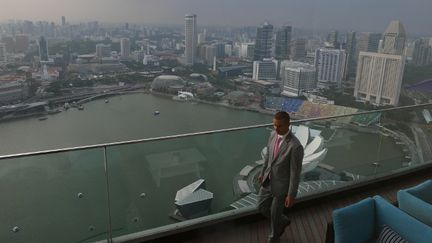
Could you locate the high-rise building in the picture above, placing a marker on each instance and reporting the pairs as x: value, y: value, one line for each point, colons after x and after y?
x: 330, y: 65
x: 3, y: 54
x: 265, y: 69
x: 9, y: 42
x: 333, y: 39
x: 379, y: 78
x: 228, y: 50
x: 124, y: 47
x: 43, y: 49
x: 190, y: 38
x: 297, y: 77
x: 263, y: 42
x: 103, y: 50
x: 350, y: 45
x: 201, y: 38
x: 394, y: 38
x: 298, y: 49
x: 422, y: 54
x: 283, y: 41
x: 63, y: 20
x: 368, y: 42
x: 22, y: 43
x: 247, y: 50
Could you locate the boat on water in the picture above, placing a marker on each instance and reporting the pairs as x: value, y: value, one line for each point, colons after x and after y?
x: 184, y: 96
x: 54, y: 111
x: 42, y: 118
x: 156, y: 113
x: 80, y: 107
x: 106, y: 100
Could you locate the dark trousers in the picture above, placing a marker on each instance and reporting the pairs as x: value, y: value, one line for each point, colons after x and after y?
x: 272, y: 207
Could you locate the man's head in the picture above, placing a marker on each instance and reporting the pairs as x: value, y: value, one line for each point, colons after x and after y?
x: 281, y: 122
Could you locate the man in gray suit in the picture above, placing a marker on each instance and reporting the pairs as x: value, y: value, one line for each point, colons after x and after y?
x: 280, y: 175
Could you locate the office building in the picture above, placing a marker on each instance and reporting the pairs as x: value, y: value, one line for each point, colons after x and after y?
x: 263, y: 42
x: 283, y: 42
x: 394, y: 38
x: 22, y: 43
x: 298, y: 49
x: 422, y: 53
x: 330, y: 65
x: 368, y: 42
x: 3, y: 54
x: 350, y: 48
x: 265, y: 69
x: 190, y: 38
x: 297, y: 77
x: 103, y: 50
x: 124, y: 47
x: 379, y: 78
x: 43, y: 49
x: 246, y: 50
x: 333, y: 39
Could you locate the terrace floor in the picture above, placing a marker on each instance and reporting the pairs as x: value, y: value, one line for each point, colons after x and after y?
x: 308, y: 219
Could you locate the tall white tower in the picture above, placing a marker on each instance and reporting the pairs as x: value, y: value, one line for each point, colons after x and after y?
x: 124, y: 47
x: 190, y: 38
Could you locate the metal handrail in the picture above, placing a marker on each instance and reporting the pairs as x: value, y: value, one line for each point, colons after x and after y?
x: 103, y: 145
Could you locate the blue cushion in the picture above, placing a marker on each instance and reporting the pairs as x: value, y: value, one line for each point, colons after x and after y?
x: 387, y: 235
x: 355, y: 223
x: 405, y: 225
x: 414, y: 201
x: 422, y: 191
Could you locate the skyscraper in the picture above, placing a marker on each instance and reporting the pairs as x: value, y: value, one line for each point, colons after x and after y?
x: 3, y: 53
x: 298, y: 49
x: 330, y: 65
x: 283, y: 41
x: 103, y: 50
x: 379, y: 75
x: 393, y: 41
x: 350, y: 45
x: 379, y: 78
x: 9, y: 42
x: 265, y: 69
x: 63, y: 20
x: 263, y: 42
x: 422, y: 52
x: 297, y: 77
x: 368, y: 42
x: 333, y: 39
x: 124, y: 47
x: 43, y: 49
x: 190, y: 39
x: 22, y: 43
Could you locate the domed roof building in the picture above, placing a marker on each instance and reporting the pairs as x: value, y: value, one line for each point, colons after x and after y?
x: 168, y: 83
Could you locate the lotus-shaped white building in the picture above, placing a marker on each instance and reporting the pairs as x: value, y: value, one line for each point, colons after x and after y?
x: 313, y: 144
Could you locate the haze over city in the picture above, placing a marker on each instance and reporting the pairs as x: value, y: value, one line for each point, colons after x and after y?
x: 366, y: 15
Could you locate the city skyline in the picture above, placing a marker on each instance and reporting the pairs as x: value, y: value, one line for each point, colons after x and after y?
x: 366, y: 15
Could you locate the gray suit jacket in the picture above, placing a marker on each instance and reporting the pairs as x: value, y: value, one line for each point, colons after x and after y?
x: 285, y: 168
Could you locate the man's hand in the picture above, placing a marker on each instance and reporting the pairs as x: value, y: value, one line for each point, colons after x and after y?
x: 260, y: 179
x: 289, y: 201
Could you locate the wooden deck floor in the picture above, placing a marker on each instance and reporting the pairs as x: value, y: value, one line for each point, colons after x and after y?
x: 308, y: 219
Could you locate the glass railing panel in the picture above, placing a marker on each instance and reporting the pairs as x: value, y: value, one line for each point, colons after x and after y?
x: 412, y: 135
x: 58, y: 197
x: 144, y: 178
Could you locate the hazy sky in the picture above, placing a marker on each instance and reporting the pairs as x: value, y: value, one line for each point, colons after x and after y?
x: 362, y: 15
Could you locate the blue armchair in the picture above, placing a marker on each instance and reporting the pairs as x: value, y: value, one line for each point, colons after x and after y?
x: 363, y: 221
x: 417, y: 201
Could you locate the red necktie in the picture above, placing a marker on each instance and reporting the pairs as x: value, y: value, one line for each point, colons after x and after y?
x: 276, y: 148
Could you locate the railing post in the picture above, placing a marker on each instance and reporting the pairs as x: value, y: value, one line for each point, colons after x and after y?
x: 108, y: 195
